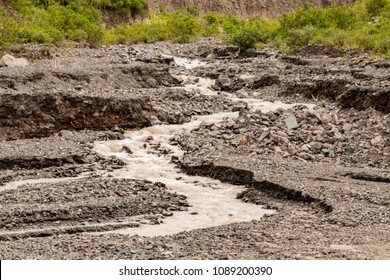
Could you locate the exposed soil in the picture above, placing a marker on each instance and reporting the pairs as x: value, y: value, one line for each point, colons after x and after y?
x: 321, y: 158
x: 243, y: 8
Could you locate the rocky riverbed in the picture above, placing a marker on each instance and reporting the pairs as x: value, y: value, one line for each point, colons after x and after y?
x: 194, y: 151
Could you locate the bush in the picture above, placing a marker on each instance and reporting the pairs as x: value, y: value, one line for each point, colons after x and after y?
x: 376, y: 7
x: 183, y: 26
x: 245, y: 38
x: 9, y: 31
x: 300, y: 37
x: 137, y: 8
x: 365, y: 25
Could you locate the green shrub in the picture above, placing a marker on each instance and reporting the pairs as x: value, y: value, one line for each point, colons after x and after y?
x: 137, y: 8
x: 212, y: 24
x: 376, y: 7
x: 9, y: 30
x: 365, y: 25
x: 300, y: 37
x: 183, y: 26
x: 245, y: 38
x: 231, y: 24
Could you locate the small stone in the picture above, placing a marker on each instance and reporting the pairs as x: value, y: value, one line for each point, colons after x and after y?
x: 177, y: 79
x: 117, y: 129
x: 222, y: 82
x: 192, y: 80
x: 154, y: 120
x: 291, y: 122
x: 316, y: 145
x: 65, y: 134
x: 327, y: 152
x: 376, y: 140
x: 347, y: 127
x: 248, y: 79
x: 263, y: 135
x: 305, y: 148
x: 127, y: 150
x: 242, y: 94
x: 240, y: 140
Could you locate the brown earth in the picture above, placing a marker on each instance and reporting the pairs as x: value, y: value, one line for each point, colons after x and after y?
x: 242, y: 8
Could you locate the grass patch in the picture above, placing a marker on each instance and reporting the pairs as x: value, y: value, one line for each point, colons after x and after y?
x: 364, y: 26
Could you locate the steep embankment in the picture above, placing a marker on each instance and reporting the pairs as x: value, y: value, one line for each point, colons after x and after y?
x: 243, y: 8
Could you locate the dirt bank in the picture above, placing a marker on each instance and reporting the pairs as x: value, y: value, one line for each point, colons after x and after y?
x: 242, y: 8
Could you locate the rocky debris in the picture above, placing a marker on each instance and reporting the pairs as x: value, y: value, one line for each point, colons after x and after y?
x: 317, y: 50
x: 322, y: 135
x: 57, y: 151
x: 277, y: 183
x: 84, y: 200
x: 10, y: 61
x: 326, y: 175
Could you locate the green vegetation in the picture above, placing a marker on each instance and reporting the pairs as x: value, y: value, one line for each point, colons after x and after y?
x: 364, y: 26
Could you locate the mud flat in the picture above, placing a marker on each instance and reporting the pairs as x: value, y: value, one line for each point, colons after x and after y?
x: 197, y: 151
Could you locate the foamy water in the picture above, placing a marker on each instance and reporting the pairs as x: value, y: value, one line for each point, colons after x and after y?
x: 188, y: 63
x: 212, y: 203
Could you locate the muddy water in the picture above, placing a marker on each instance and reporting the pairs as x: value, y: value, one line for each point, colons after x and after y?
x: 148, y: 153
x: 188, y: 63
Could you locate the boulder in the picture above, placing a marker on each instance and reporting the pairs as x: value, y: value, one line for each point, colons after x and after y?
x: 10, y: 61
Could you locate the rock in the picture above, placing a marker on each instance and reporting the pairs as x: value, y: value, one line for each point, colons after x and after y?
x: 117, y: 129
x: 316, y: 145
x: 240, y: 140
x: 347, y: 127
x: 177, y: 79
x: 325, y: 118
x: 10, y: 61
x: 154, y: 120
x: 376, y: 140
x: 248, y: 79
x: 305, y: 148
x: 222, y: 82
x: 242, y: 94
x: 263, y: 135
x: 65, y: 134
x: 192, y: 80
x: 126, y: 149
x: 328, y: 153
x: 291, y: 122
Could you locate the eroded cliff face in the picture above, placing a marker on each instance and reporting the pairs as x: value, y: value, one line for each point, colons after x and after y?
x: 243, y: 8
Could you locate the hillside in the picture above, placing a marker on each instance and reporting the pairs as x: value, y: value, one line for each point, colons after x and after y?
x: 243, y: 8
